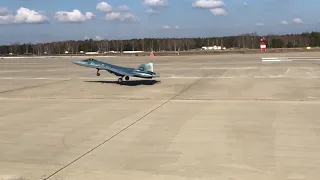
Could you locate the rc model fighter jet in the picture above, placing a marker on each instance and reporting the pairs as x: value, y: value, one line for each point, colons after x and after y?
x: 143, y: 71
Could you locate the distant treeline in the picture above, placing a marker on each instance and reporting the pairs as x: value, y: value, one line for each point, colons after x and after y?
x: 251, y: 41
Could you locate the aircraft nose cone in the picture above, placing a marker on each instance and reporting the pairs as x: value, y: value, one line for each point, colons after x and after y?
x: 76, y: 62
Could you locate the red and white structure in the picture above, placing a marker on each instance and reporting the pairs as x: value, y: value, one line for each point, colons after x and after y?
x: 263, y: 45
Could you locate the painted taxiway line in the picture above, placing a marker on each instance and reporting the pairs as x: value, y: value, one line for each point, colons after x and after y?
x: 270, y: 58
x: 13, y: 71
x: 298, y: 57
x: 305, y: 59
x: 274, y: 59
x: 277, y: 59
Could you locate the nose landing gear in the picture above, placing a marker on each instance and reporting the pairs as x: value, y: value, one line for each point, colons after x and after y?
x: 98, y: 74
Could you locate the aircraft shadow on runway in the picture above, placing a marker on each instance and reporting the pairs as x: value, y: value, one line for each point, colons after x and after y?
x: 129, y: 83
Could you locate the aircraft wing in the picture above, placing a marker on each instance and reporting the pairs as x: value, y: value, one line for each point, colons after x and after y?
x: 117, y: 70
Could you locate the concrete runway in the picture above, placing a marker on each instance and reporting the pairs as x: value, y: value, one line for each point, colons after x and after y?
x: 224, y: 117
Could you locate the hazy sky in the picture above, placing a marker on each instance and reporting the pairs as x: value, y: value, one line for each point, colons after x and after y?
x: 53, y: 20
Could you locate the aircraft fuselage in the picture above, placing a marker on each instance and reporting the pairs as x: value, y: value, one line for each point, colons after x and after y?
x: 116, y: 70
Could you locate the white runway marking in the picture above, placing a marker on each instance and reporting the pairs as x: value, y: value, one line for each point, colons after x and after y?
x: 13, y: 71
x: 306, y: 59
x: 298, y: 57
x: 270, y: 58
x: 274, y: 59
x: 287, y: 71
x: 277, y: 59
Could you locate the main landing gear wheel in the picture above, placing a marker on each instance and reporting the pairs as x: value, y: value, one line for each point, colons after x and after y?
x: 127, y: 78
x: 98, y: 74
x: 119, y: 80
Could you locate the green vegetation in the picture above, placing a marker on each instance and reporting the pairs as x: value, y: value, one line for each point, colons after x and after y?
x: 250, y: 41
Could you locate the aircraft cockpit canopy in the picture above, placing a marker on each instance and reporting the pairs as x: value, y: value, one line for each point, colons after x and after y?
x: 90, y: 60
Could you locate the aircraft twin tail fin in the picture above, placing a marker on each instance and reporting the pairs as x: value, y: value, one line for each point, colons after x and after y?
x: 146, y: 67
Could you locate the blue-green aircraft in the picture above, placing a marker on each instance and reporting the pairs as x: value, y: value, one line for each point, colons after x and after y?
x: 143, y: 71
